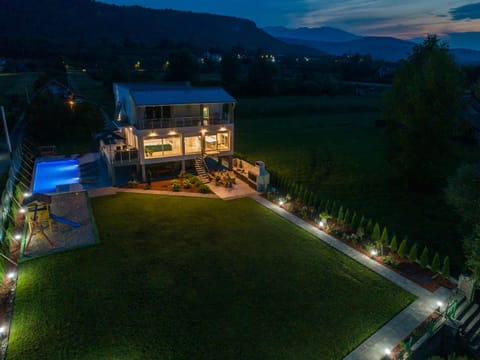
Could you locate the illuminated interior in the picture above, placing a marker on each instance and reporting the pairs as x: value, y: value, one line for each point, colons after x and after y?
x: 193, y: 144
x: 162, y: 147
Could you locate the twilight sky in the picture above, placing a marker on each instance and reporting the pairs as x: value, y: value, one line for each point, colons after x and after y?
x: 399, y: 18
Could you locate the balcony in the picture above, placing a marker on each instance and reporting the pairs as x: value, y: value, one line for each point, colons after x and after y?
x: 179, y: 122
x: 118, y: 153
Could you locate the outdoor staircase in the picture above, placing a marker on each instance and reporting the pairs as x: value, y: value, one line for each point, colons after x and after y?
x: 88, y: 168
x: 201, y: 169
x: 468, y: 319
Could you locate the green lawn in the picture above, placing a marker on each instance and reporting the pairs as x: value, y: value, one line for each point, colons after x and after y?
x: 189, y: 278
x: 14, y: 84
x: 93, y: 89
x: 298, y: 136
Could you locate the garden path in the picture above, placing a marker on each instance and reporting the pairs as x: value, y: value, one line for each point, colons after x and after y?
x: 397, y: 329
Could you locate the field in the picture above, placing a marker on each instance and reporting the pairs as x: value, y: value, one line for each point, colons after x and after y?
x: 332, y: 146
x: 15, y: 85
x: 94, y: 90
x: 187, y: 278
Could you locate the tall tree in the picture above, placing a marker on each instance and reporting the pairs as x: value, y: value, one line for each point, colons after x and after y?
x: 231, y: 69
x: 420, y: 110
x: 463, y: 194
x: 261, y: 76
x: 182, y: 66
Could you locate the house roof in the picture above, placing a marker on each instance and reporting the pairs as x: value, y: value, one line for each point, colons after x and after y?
x: 37, y: 198
x: 146, y: 94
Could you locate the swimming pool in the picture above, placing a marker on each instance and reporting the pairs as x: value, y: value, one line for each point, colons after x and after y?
x: 49, y: 174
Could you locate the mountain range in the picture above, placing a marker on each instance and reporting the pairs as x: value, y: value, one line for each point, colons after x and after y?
x: 28, y: 27
x: 338, y: 42
x: 87, y: 21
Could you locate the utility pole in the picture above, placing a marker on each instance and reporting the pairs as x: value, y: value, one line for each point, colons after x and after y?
x: 27, y: 96
x: 7, y: 135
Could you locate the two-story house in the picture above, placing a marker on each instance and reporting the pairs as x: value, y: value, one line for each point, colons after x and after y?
x: 166, y: 126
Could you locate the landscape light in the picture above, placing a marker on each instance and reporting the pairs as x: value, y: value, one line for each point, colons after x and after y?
x: 321, y: 224
x: 281, y: 202
x: 27, y: 194
x: 439, y: 305
x: 17, y: 236
x: 11, y: 275
x: 373, y: 252
x: 388, y: 352
x: 22, y: 210
x: 2, y: 330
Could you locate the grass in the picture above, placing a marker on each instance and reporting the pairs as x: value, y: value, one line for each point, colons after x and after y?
x: 14, y: 84
x: 184, y: 278
x: 332, y: 146
x: 94, y: 90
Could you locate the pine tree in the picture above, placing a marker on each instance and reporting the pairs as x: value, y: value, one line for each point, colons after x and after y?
x: 362, y: 221
x: 436, y: 263
x: 333, y: 210
x: 346, y: 217
x: 424, y: 257
x: 317, y: 203
x: 326, y: 207
x: 369, y: 228
x: 311, y: 199
x: 376, y: 234
x: 403, y: 248
x: 340, y: 216
x: 384, y: 237
x: 393, y: 244
x: 353, y: 222
x: 446, y: 267
x: 413, y: 254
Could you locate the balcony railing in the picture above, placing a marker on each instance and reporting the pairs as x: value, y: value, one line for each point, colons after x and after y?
x: 179, y: 122
x: 121, y: 156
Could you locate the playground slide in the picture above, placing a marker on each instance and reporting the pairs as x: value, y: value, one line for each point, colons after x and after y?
x: 64, y: 221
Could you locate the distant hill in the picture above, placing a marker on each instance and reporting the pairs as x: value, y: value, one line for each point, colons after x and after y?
x: 380, y: 48
x: 327, y: 34
x: 91, y: 21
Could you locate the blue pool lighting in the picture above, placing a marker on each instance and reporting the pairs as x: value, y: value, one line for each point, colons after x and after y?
x: 49, y: 174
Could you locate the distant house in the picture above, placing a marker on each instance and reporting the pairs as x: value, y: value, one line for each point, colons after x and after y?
x: 168, y: 126
x: 56, y: 88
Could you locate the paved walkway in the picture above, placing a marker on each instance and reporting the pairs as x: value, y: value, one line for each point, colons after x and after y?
x: 105, y: 191
x: 239, y: 190
x: 401, y: 325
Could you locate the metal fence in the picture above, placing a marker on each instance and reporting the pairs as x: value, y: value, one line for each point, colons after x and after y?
x: 14, y: 178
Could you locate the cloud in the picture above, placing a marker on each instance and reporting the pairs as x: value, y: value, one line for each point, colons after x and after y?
x: 470, y: 11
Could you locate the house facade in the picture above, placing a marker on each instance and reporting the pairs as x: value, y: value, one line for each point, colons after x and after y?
x: 165, y: 127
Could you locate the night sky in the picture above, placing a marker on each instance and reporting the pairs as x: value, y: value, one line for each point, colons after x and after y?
x: 400, y: 18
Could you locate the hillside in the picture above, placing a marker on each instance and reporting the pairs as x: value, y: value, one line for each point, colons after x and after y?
x: 87, y: 21
x: 324, y: 33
